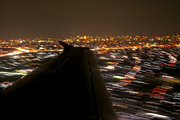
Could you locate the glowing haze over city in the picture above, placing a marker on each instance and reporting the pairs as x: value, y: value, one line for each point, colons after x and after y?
x: 65, y: 18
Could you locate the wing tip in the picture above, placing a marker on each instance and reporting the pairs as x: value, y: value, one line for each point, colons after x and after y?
x: 65, y: 45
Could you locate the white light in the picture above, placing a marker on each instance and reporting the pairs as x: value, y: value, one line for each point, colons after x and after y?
x: 109, y: 67
x: 167, y: 76
x: 157, y: 115
x: 10, y: 53
x: 125, y: 56
x: 23, y: 50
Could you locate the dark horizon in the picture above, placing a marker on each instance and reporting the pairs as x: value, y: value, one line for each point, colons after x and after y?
x: 65, y: 18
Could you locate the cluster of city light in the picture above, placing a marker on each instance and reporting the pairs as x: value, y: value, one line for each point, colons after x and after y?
x: 136, y: 71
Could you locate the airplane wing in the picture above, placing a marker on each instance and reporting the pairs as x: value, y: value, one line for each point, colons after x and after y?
x: 67, y: 87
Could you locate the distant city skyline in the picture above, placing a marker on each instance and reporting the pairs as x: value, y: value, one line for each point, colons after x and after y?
x: 65, y: 18
x: 156, y: 36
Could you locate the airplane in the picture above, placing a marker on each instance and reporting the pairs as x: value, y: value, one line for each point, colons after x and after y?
x: 67, y: 87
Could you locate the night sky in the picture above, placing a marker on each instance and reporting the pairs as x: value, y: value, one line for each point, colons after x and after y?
x: 65, y: 18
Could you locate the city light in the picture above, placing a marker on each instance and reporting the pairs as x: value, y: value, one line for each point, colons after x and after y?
x: 119, y: 77
x: 109, y: 67
x: 158, y: 116
x: 141, y: 73
x: 23, y: 50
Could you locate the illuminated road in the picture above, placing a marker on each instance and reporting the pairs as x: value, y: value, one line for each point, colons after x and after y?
x: 21, y: 50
